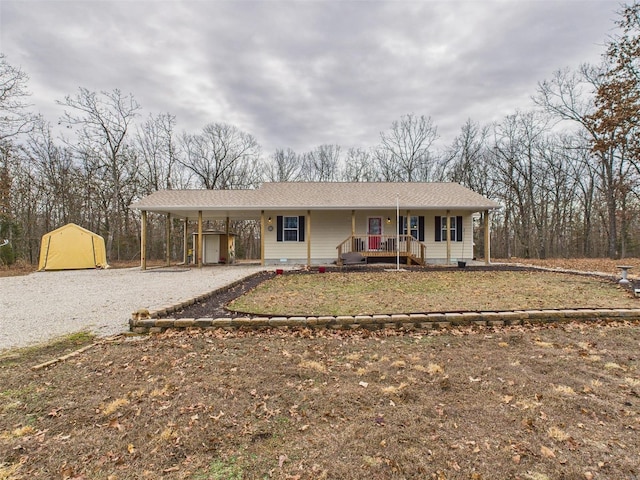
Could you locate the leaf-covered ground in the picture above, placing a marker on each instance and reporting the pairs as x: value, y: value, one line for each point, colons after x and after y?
x: 526, y: 402
x: 378, y: 292
x: 519, y: 402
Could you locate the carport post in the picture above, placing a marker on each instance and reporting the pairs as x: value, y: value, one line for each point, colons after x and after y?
x: 487, y: 239
x: 228, y: 243
x: 185, y: 240
x: 143, y: 241
x: 262, y: 237
x: 199, y: 253
x: 168, y: 239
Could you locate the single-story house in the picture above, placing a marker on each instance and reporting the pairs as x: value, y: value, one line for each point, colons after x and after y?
x: 313, y: 223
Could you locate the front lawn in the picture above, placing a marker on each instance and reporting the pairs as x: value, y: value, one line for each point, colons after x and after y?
x: 380, y: 292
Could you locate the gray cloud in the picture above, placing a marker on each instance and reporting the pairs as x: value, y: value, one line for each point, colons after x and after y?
x: 301, y: 73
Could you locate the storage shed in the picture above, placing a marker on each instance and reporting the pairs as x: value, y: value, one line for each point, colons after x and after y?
x: 72, y: 247
x: 216, y: 247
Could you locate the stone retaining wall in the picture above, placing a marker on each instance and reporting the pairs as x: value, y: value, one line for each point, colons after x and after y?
x: 426, y: 320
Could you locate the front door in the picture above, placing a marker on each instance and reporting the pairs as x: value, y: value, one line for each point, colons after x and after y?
x: 374, y: 232
x: 211, y: 249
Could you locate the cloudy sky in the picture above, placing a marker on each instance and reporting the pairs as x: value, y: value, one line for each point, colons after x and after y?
x: 298, y: 74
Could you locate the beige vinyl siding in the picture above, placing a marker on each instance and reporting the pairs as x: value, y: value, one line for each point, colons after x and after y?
x: 328, y: 230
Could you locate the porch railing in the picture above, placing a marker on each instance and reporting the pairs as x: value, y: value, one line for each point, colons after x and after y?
x: 384, y: 246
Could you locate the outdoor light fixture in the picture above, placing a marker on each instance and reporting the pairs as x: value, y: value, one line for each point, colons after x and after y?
x: 388, y: 219
x: 269, y: 220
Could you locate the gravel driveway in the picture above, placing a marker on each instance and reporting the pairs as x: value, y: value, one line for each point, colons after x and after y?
x: 43, y: 305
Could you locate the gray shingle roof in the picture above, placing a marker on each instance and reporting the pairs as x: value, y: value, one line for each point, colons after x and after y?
x: 318, y: 196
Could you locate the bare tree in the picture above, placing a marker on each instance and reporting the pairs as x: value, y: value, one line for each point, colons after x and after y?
x: 359, y: 166
x: 158, y: 151
x: 222, y: 157
x: 466, y: 160
x: 405, y: 150
x: 104, y: 122
x: 321, y: 164
x: 570, y: 96
x: 14, y: 115
x: 284, y: 166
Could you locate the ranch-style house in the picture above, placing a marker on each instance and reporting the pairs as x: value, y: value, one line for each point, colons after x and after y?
x: 314, y: 223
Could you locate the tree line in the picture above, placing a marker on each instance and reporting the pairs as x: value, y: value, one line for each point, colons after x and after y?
x: 566, y: 171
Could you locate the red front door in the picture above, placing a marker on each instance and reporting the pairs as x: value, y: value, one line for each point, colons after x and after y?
x: 375, y: 230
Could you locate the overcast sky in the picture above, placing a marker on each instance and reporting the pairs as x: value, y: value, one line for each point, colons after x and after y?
x: 298, y: 74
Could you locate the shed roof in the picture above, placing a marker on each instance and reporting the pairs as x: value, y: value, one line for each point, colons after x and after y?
x: 314, y: 196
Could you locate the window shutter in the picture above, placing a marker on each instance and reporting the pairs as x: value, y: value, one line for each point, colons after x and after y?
x: 401, y: 224
x: 458, y: 228
x: 279, y: 228
x: 301, y: 228
x: 438, y: 229
x: 421, y: 228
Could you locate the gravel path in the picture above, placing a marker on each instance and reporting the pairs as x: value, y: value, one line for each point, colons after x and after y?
x: 44, y: 305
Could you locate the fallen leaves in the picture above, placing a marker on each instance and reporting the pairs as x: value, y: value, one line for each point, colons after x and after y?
x: 114, y: 405
x: 547, y: 452
x: 558, y: 434
x: 286, y: 402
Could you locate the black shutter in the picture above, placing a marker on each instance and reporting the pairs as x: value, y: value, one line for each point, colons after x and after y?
x: 279, y: 228
x: 438, y: 229
x: 301, y: 228
x: 458, y: 229
x: 401, y: 223
x: 421, y: 228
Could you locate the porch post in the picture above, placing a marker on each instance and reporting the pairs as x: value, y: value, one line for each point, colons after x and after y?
x: 407, y: 223
x: 308, y: 229
x: 448, y: 237
x: 353, y: 223
x: 262, y: 237
x: 168, y: 239
x: 487, y: 239
x: 143, y: 241
x: 185, y: 241
x: 353, y: 231
x: 200, y: 242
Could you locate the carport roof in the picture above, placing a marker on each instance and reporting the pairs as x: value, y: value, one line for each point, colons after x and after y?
x: 283, y: 196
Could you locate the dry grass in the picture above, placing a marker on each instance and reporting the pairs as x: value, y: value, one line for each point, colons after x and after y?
x: 329, y: 404
x: 366, y: 293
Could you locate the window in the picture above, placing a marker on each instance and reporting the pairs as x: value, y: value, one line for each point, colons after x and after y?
x: 456, y: 229
x: 290, y: 228
x: 416, y: 226
x: 443, y: 227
